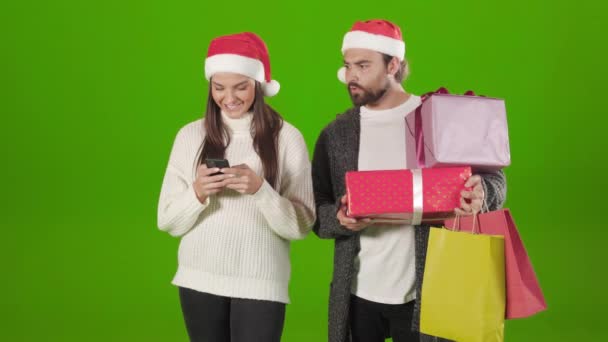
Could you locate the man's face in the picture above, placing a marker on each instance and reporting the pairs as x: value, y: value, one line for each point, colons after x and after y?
x: 366, y: 76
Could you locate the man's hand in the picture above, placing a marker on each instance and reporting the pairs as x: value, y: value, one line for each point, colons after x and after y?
x: 471, y: 201
x: 349, y: 222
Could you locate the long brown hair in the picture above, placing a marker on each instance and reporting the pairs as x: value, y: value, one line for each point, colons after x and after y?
x: 265, y: 127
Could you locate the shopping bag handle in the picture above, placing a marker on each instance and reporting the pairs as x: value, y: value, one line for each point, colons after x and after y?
x: 475, y: 229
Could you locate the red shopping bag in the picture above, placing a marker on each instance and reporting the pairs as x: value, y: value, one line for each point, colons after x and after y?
x: 524, y: 295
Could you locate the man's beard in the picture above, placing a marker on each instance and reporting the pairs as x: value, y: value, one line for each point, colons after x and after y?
x: 367, y: 96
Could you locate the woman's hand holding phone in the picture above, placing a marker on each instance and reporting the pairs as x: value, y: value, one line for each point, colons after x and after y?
x: 206, y: 184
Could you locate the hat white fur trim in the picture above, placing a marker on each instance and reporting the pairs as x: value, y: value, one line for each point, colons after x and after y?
x: 250, y: 67
x: 376, y: 42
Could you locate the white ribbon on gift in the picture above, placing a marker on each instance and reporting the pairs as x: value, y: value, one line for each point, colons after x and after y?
x: 418, y: 196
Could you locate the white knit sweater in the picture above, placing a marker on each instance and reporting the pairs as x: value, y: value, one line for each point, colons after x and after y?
x: 237, y: 245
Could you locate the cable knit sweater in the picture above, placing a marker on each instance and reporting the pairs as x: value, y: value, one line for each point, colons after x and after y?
x: 237, y: 245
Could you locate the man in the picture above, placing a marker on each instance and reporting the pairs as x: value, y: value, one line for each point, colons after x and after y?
x: 377, y: 269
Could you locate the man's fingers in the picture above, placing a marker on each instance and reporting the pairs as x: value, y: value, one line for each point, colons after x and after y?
x: 476, y: 205
x: 343, y: 218
x: 461, y: 212
x: 352, y: 223
x: 478, y: 191
x: 364, y: 223
x: 469, y: 208
x: 359, y: 225
x: 344, y: 199
x: 341, y: 212
x: 464, y: 205
x: 472, y: 181
x: 472, y: 195
x: 353, y: 226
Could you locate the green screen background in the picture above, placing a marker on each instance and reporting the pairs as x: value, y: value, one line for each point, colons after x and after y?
x: 93, y: 94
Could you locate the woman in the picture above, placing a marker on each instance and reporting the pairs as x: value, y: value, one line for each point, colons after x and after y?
x: 235, y: 223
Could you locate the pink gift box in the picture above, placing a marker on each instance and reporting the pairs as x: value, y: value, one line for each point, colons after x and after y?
x: 455, y: 130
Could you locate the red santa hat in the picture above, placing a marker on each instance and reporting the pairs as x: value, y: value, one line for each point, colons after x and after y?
x: 378, y: 35
x: 242, y: 53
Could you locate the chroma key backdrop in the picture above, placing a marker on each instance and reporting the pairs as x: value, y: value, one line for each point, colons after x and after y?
x: 93, y: 93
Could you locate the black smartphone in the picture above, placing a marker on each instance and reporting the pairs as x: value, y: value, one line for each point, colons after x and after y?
x: 219, y: 163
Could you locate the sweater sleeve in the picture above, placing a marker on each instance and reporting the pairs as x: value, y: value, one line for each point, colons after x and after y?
x: 290, y: 211
x: 178, y: 206
x: 327, y: 225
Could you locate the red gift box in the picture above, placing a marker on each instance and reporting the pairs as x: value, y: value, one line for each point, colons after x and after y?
x: 405, y: 196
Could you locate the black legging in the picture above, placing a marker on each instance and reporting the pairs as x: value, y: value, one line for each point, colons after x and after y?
x: 211, y: 318
x: 373, y: 322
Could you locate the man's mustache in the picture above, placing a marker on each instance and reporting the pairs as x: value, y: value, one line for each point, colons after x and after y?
x: 353, y: 84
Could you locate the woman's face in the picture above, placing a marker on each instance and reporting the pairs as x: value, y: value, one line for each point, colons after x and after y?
x: 233, y: 93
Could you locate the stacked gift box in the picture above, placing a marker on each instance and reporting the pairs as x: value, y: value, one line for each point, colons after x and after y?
x: 447, y: 136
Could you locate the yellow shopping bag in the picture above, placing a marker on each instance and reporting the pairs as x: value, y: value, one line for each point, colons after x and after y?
x: 463, y: 289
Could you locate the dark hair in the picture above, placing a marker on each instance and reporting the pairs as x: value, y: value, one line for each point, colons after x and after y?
x: 403, y: 71
x: 265, y: 126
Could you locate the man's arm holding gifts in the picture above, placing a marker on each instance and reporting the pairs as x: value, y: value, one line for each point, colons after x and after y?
x: 488, y: 193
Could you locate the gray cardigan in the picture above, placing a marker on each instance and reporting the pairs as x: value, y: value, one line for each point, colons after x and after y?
x: 336, y: 152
